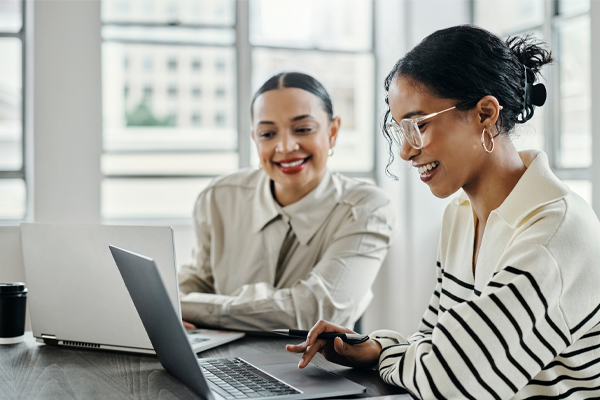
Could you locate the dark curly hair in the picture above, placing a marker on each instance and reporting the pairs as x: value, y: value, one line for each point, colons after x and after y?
x: 465, y: 63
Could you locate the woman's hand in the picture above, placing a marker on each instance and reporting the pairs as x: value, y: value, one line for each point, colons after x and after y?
x: 359, y: 355
x: 188, y: 325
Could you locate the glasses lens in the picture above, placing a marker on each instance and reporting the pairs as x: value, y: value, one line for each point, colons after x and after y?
x: 412, y: 133
x: 394, y: 131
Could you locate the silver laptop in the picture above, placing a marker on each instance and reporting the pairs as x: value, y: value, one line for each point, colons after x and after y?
x: 254, y: 377
x: 76, y: 295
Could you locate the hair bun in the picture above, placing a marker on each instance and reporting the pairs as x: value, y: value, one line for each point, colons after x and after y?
x: 529, y: 51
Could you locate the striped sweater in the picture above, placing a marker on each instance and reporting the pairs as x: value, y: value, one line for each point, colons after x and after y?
x: 527, y: 325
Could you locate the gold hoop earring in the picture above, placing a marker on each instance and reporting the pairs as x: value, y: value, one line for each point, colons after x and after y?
x: 483, y: 140
x: 330, y: 152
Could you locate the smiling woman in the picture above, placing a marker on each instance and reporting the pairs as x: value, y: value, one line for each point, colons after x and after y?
x: 294, y: 131
x: 292, y: 242
x: 515, y: 313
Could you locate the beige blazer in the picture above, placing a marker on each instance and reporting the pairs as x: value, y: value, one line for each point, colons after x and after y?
x: 260, y: 266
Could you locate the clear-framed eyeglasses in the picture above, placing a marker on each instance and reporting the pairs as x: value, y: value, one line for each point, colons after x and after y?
x: 408, y: 129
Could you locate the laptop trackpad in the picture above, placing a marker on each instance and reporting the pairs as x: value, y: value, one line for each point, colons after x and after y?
x: 311, y: 379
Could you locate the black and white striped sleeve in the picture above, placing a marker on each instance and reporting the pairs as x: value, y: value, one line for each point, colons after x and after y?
x: 393, y: 344
x: 489, y: 347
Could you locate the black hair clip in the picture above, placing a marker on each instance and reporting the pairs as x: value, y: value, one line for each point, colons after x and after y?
x: 533, y: 95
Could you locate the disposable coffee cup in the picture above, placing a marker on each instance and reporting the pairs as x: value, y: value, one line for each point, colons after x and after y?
x: 13, y: 299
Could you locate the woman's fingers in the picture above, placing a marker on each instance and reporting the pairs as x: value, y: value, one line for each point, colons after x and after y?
x: 324, y: 326
x: 339, y: 346
x: 315, y: 331
x: 296, y: 348
x: 188, y: 325
x: 337, y: 351
x: 312, y: 345
x: 310, y: 352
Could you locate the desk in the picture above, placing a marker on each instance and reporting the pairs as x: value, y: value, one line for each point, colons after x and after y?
x: 31, y: 370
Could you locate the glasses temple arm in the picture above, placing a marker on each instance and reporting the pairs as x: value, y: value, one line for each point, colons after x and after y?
x: 433, y: 114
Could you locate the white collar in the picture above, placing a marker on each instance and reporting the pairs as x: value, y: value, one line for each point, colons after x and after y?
x: 306, y: 215
x: 537, y: 187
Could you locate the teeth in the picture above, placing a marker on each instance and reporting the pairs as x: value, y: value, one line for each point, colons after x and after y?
x: 294, y: 164
x: 428, y: 167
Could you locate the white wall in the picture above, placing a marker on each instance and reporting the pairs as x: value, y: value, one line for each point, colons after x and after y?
x: 390, y: 45
x: 407, y: 279
x: 67, y: 123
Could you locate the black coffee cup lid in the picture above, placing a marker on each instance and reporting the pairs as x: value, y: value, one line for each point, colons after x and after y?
x: 12, y: 287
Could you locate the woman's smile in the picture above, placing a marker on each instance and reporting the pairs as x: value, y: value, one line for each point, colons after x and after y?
x: 423, y: 168
x: 292, y: 166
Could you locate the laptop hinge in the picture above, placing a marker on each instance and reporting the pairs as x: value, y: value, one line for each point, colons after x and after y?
x: 49, y: 339
x: 46, y: 336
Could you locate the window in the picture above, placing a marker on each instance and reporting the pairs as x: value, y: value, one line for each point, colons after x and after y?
x: 172, y: 91
x: 195, y: 51
x: 196, y: 118
x: 172, y: 64
x: 220, y: 65
x: 13, y: 194
x: 220, y: 118
x: 148, y: 63
x: 196, y: 65
x: 147, y: 91
x: 562, y: 127
x: 196, y: 92
x: 338, y: 51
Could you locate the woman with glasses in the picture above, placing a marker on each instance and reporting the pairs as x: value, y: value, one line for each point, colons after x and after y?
x: 292, y: 242
x: 515, y: 311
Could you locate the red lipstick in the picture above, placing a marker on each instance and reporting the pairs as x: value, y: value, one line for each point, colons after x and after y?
x: 297, y: 165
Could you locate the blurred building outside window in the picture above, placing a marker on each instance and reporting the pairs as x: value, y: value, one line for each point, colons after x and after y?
x: 562, y: 127
x: 196, y: 92
x: 196, y: 65
x: 171, y: 121
x: 13, y: 193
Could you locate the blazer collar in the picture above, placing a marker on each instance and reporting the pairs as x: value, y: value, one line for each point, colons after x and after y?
x: 306, y: 215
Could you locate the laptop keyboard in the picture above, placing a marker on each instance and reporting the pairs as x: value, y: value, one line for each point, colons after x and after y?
x: 236, y: 379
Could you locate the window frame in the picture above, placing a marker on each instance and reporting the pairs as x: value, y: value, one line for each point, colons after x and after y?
x: 243, y: 55
x: 21, y: 173
x: 549, y: 27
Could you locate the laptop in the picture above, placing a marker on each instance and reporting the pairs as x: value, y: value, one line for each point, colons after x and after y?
x: 77, y: 297
x: 250, y: 377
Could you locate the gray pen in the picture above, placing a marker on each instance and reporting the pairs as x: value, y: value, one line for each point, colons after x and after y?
x: 350, y: 338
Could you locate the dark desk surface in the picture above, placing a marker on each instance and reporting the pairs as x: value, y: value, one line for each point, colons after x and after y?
x: 30, y: 370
